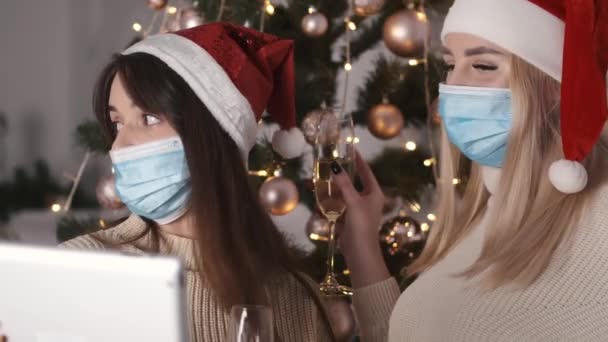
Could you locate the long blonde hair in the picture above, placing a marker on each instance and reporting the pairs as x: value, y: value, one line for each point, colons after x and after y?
x: 534, y: 218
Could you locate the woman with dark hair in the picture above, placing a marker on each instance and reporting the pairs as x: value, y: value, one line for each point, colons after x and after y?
x: 181, y: 111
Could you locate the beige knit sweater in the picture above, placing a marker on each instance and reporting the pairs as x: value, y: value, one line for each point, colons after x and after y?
x: 296, y: 316
x: 569, y: 302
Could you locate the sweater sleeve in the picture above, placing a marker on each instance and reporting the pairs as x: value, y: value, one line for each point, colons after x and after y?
x: 297, y: 316
x: 83, y: 242
x: 373, y: 307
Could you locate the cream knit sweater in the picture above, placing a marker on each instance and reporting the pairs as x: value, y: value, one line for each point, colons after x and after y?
x: 569, y: 302
x: 296, y: 316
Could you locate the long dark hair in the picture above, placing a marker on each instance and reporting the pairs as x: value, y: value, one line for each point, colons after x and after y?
x: 238, y: 246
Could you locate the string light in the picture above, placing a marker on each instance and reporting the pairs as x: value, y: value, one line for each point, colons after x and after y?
x: 431, y: 217
x: 260, y: 173
x: 429, y: 162
x: 410, y: 146
x: 171, y: 9
x: 347, y: 65
x: 421, y: 16
x: 56, y: 207
x: 413, y: 62
x: 277, y: 173
x: 415, y: 207
x: 354, y: 140
x: 102, y: 224
x: 317, y: 237
x: 425, y: 227
x: 137, y: 27
x: 456, y: 181
x: 269, y: 7
x: 351, y: 25
x: 311, y: 10
x: 68, y: 202
x: 346, y: 272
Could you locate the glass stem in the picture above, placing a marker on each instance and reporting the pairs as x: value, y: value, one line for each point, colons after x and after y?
x: 331, y: 249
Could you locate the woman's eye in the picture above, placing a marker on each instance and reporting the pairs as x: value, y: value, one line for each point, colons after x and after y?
x: 117, y: 125
x: 485, y: 67
x: 151, y: 120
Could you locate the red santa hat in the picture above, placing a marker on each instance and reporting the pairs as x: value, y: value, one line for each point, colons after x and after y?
x: 566, y: 39
x: 238, y: 73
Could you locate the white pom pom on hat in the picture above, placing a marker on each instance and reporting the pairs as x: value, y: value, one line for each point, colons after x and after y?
x: 565, y: 39
x: 569, y: 177
x: 289, y: 144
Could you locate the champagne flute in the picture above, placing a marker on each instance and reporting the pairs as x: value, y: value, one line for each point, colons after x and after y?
x: 334, y: 143
x: 250, y: 323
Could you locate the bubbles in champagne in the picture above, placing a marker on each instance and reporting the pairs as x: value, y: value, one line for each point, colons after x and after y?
x: 328, y: 195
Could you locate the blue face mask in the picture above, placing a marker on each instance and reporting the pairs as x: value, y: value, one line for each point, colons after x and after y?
x: 477, y: 121
x: 153, y: 180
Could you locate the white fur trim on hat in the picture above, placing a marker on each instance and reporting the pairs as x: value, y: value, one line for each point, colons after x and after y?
x: 289, y: 144
x: 518, y: 26
x: 568, y: 176
x: 209, y: 82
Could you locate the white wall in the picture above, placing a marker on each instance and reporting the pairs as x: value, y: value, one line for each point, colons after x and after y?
x: 51, y: 53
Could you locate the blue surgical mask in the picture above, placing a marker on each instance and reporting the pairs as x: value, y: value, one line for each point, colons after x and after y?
x: 477, y: 121
x: 153, y: 180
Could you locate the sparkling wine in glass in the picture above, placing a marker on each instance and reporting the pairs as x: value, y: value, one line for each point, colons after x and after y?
x: 334, y: 144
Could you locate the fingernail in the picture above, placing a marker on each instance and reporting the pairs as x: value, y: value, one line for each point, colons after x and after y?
x: 335, y: 167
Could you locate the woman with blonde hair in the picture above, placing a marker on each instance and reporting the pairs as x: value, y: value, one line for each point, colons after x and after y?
x: 522, y: 253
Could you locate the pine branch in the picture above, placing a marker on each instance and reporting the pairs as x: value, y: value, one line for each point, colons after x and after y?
x: 383, y: 80
x: 402, y: 173
x: 404, y: 87
x: 91, y: 136
x: 372, y: 29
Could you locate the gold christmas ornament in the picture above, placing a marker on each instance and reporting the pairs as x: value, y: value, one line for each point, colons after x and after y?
x: 401, y: 234
x: 405, y: 32
x: 106, y: 193
x: 368, y: 7
x: 310, y: 125
x: 157, y: 4
x: 279, y: 195
x: 329, y: 128
x: 315, y: 24
x: 317, y: 228
x: 313, y: 121
x: 385, y: 121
